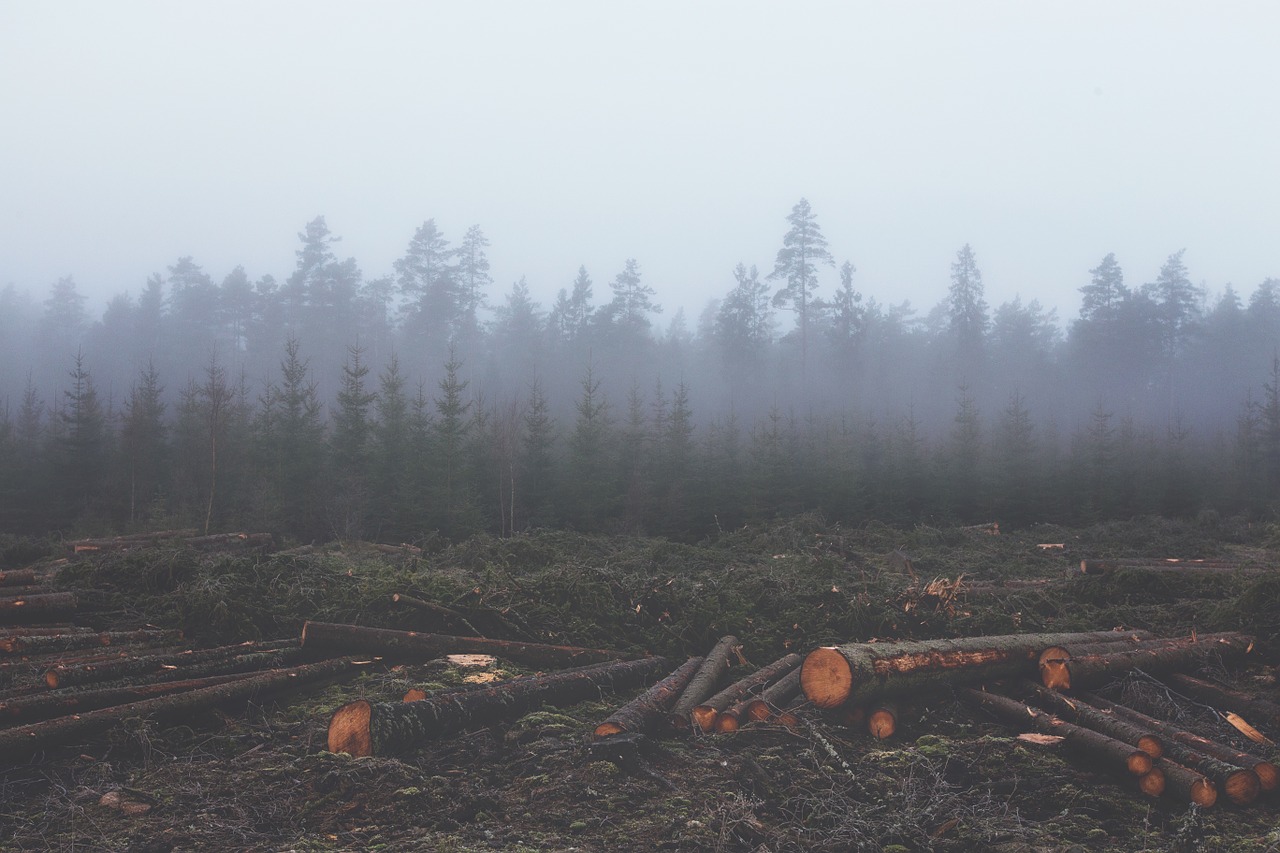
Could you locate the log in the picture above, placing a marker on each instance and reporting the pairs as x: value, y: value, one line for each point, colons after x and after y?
x: 16, y: 631
x: 706, y: 714
x: 1092, y: 670
x: 1186, y: 785
x: 47, y: 705
x: 18, y: 577
x: 228, y: 541
x: 38, y: 608
x: 882, y: 721
x: 33, y: 644
x: 1261, y: 710
x: 705, y: 680
x: 1053, y: 659
x: 411, y: 645
x: 1216, y: 760
x: 1063, y: 652
x: 775, y: 697
x: 1078, y: 711
x: 448, y: 615
x: 1102, y: 567
x: 401, y: 550
x: 24, y: 741
x: 364, y: 728
x: 1107, y: 751
x: 70, y: 675
x: 649, y: 710
x: 1153, y: 783
x: 860, y: 672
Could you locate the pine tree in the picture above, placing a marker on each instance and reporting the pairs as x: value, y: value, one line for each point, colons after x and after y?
x: 450, y: 433
x: 144, y: 445
x: 1101, y: 297
x: 395, y: 504
x: 591, y: 493
x: 83, y: 445
x: 537, y: 460
x: 349, y: 446
x: 803, y: 248
x: 967, y: 309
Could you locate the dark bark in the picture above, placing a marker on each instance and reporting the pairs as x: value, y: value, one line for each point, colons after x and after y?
x: 411, y: 645
x: 706, y: 714
x: 1250, y: 707
x: 38, y: 608
x: 365, y: 728
x: 1187, y: 786
x: 451, y: 619
x: 90, y: 673
x: 65, y: 643
x: 18, y: 577
x: 649, y: 710
x: 775, y: 697
x: 705, y: 680
x: 1077, y: 711
x: 50, y: 704
x: 1102, y: 567
x: 1092, y: 670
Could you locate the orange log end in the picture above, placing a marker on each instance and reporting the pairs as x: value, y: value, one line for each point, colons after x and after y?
x: 349, y: 729
x: 826, y: 677
x: 1152, y: 784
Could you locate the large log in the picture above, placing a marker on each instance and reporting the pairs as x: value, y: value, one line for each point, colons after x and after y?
x: 706, y: 715
x: 70, y: 675
x: 411, y: 645
x: 775, y: 697
x: 705, y: 680
x: 1077, y: 711
x: 451, y: 618
x: 16, y: 631
x: 18, y: 577
x: 1092, y: 670
x: 50, y: 704
x: 24, y: 741
x: 38, y: 608
x: 1101, y: 567
x: 860, y: 672
x: 363, y: 728
x: 1129, y: 639
x: 1186, y: 785
x: 1251, y: 707
x: 33, y: 644
x: 1241, y: 775
x: 1053, y: 660
x: 649, y: 710
x: 1106, y: 751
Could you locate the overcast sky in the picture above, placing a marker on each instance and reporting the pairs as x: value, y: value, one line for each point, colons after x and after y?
x: 680, y: 134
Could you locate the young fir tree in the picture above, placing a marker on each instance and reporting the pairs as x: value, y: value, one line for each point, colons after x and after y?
x: 349, y: 447
x: 144, y: 446
x: 537, y: 461
x: 83, y: 446
x: 590, y: 495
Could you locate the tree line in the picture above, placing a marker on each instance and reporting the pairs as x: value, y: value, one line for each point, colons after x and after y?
x: 406, y: 406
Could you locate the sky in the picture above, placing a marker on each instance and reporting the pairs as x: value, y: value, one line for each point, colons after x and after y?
x: 1045, y: 135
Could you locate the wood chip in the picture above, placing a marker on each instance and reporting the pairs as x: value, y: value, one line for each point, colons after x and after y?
x: 1247, y: 730
x: 1041, y: 740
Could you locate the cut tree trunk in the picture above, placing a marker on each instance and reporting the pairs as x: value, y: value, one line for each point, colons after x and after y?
x: 63, y: 643
x: 47, y: 705
x: 1078, y: 711
x: 882, y: 722
x: 1130, y: 639
x: 452, y: 619
x: 24, y: 741
x: 228, y: 541
x: 1260, y: 710
x: 1153, y: 783
x: 1092, y: 670
x: 1107, y: 751
x: 16, y: 632
x: 402, y: 550
x: 411, y: 645
x: 649, y: 710
x: 861, y: 672
x: 705, y: 680
x: 1053, y: 660
x: 706, y: 714
x: 18, y: 577
x: 38, y: 608
x: 77, y: 674
x: 363, y: 728
x: 1223, y: 763
x: 1186, y: 785
x: 1098, y: 567
x: 775, y: 697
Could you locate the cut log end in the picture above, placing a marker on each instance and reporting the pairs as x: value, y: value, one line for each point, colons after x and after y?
x: 51, y: 678
x: 1153, y: 783
x: 1151, y: 745
x: 349, y: 729
x: 727, y: 722
x: 608, y: 730
x: 826, y: 677
x: 1055, y: 674
x: 1241, y: 787
x: 1268, y: 777
x: 704, y: 717
x: 415, y: 695
x: 1204, y: 793
x: 758, y: 711
x: 1139, y: 763
x: 882, y: 723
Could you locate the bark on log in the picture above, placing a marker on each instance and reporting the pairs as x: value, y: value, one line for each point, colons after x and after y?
x: 24, y: 741
x: 649, y: 710
x: 1200, y: 747
x: 63, y: 643
x: 704, y: 681
x: 861, y: 672
x: 18, y: 577
x: 1092, y: 670
x: 1077, y: 711
x: 1103, y: 567
x: 706, y: 714
x: 451, y: 618
x: 228, y: 541
x: 1251, y: 707
x: 38, y: 608
x: 1053, y: 660
x: 71, y: 675
x: 1107, y: 751
x: 1130, y: 639
x: 775, y: 697
x: 401, y: 550
x: 882, y: 722
x: 363, y: 728
x: 21, y: 631
x: 411, y: 645
x: 1186, y: 785
x: 47, y: 705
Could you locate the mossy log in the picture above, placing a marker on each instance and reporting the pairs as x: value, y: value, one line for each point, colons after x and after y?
x: 18, y: 577
x: 363, y: 728
x: 705, y: 681
x: 450, y: 618
x: 882, y: 720
x: 775, y: 697
x: 861, y: 672
x: 1241, y: 775
x: 38, y: 608
x: 1097, y: 747
x: 1075, y: 710
x: 50, y: 704
x: 1092, y: 670
x: 706, y: 714
x: 1102, y: 567
x: 33, y: 644
x: 1128, y: 639
x: 23, y: 741
x: 71, y: 675
x: 649, y: 710
x: 412, y: 645
x: 1251, y: 707
x: 1053, y: 660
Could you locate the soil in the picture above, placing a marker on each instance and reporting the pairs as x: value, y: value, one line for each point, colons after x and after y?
x: 951, y: 779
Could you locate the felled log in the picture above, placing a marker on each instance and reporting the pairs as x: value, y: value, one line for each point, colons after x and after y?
x: 18, y: 577
x: 50, y: 704
x: 1054, y: 659
x: 363, y: 728
x: 411, y: 645
x: 33, y: 644
x: 403, y: 549
x: 1187, y: 785
x: 706, y: 713
x: 1091, y: 670
x: 1077, y: 711
x: 860, y: 672
x: 882, y: 721
x: 1102, y: 567
x: 448, y: 615
x: 1241, y: 775
x: 70, y: 675
x: 775, y: 697
x: 12, y: 632
x: 649, y: 710
x: 37, y: 608
x: 1107, y: 751
x: 1153, y: 782
x: 1062, y: 652
x: 24, y: 741
x: 228, y: 541
x: 1233, y: 700
x: 704, y: 682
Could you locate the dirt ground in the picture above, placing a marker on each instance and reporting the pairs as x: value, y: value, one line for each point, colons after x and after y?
x: 953, y: 779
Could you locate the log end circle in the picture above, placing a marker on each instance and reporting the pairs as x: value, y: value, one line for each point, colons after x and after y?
x: 349, y: 730
x: 1153, y: 783
x: 826, y: 677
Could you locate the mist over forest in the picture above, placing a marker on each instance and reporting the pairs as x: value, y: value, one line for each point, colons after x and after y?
x: 438, y: 402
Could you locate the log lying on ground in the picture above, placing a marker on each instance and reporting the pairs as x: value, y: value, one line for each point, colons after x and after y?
x: 34, y: 644
x: 18, y: 577
x: 1053, y: 659
x: 50, y: 704
x: 451, y: 618
x: 1153, y: 782
x: 24, y: 741
x: 1186, y: 785
x: 1095, y: 669
x: 38, y: 608
x: 411, y: 645
x: 706, y: 714
x: 1216, y: 760
x: 1107, y: 751
x: 1062, y: 652
x: 1078, y: 711
x: 403, y: 549
x: 776, y: 696
x: 649, y: 710
x: 860, y: 672
x: 365, y: 728
x: 70, y: 675
x: 1258, y: 710
x: 1101, y: 567
x: 704, y: 682
x: 229, y: 541
x: 14, y: 632
x: 882, y: 721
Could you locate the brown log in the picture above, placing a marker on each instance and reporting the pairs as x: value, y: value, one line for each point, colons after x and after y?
x: 50, y: 704
x: 38, y: 608
x: 412, y: 645
x: 1152, y: 783
x: 1078, y: 711
x: 882, y: 721
x: 650, y: 709
x: 1098, y: 747
x: 775, y: 697
x: 400, y: 550
x: 1226, y: 765
x: 861, y: 672
x: 1053, y: 660
x: 363, y: 728
x: 18, y: 577
x: 1102, y: 567
x: 15, y: 631
x: 1186, y: 785
x: 1092, y: 670
x: 705, y: 680
x: 70, y: 675
x: 706, y: 714
x: 450, y: 617
x: 32, y: 644
x: 1251, y: 707
x: 1062, y: 652
x: 24, y: 741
